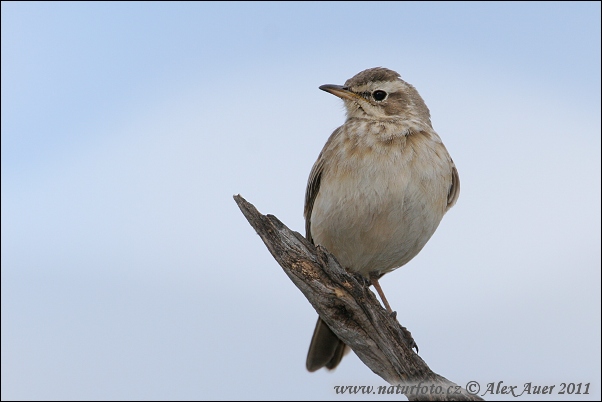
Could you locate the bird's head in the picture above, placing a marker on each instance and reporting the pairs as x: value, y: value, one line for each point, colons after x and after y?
x: 380, y: 94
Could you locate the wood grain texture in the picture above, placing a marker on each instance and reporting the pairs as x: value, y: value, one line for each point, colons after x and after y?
x: 344, y: 301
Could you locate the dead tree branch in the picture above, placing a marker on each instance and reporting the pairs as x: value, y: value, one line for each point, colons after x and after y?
x: 351, y: 310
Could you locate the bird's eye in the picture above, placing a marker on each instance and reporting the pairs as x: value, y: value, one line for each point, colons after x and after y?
x: 379, y: 95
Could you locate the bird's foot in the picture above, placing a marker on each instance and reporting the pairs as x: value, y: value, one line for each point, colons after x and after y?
x: 407, y: 337
x: 362, y: 279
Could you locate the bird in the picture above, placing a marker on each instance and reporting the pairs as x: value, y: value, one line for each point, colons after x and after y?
x: 378, y: 190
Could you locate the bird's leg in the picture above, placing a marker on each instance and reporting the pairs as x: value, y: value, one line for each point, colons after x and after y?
x: 374, y: 282
x: 407, y: 335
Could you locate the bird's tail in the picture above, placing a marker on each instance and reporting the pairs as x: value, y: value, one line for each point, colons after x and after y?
x: 325, y: 349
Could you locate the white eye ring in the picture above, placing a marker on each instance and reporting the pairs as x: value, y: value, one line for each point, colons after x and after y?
x: 379, y: 95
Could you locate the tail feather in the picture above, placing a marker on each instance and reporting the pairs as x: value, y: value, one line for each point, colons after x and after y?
x: 325, y: 349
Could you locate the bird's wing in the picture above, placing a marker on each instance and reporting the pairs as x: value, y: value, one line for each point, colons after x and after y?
x: 454, y: 189
x: 313, y: 183
x: 313, y: 186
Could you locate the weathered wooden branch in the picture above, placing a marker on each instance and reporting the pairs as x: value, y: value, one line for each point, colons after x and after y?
x: 352, y: 311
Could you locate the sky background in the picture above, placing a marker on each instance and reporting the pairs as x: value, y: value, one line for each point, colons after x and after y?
x: 128, y: 271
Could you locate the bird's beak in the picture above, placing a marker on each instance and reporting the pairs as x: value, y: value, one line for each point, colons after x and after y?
x: 340, y: 91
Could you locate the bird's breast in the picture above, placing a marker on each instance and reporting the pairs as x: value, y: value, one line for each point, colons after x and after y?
x: 380, y: 202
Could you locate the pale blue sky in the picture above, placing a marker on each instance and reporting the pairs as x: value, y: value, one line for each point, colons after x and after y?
x: 128, y: 271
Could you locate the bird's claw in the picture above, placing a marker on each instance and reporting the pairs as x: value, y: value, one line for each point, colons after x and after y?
x: 407, y: 337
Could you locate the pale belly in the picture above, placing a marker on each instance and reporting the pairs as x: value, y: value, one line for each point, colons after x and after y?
x: 377, y: 220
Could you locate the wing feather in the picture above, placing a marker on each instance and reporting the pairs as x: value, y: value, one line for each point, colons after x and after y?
x: 313, y: 186
x: 454, y: 189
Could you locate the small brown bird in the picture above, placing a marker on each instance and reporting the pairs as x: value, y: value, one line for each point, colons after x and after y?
x: 379, y: 188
